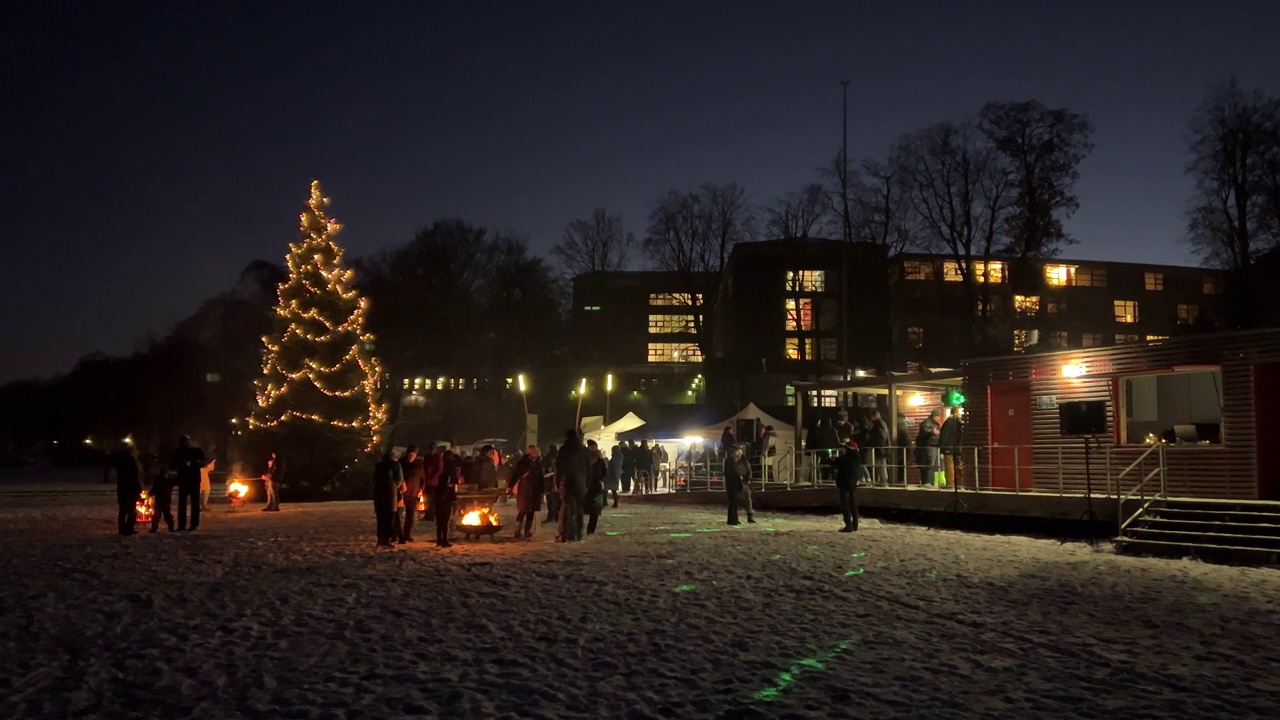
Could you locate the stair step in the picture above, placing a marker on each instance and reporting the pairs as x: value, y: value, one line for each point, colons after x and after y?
x: 1270, y: 556
x: 1216, y: 525
x: 1242, y: 514
x: 1257, y: 542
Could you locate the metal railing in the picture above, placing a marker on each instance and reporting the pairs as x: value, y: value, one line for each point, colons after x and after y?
x: 1139, y: 490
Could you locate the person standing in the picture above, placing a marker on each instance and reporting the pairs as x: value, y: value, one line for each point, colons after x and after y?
x: 615, y: 473
x: 162, y: 500
x: 528, y: 488
x: 628, y: 466
x: 387, y: 476
x: 186, y: 462
x: 445, y: 495
x: 549, y: 484
x: 949, y: 439
x: 727, y: 439
x: 271, y: 481
x: 413, y: 470
x: 128, y: 490
x: 878, y: 438
x: 594, y: 500
x: 848, y: 470
x: 573, y: 472
x: 432, y: 469
x: 737, y: 472
x: 206, y: 484
x: 927, y: 447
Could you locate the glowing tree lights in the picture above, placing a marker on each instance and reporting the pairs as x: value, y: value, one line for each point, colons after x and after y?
x: 318, y: 390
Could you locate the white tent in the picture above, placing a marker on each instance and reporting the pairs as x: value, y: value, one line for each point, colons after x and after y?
x: 784, y: 437
x: 607, y: 435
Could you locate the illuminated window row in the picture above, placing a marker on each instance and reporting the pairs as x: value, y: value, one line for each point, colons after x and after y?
x: 806, y: 281
x: 1060, y: 340
x: 450, y: 383
x: 667, y: 352
x: 799, y: 313
x: 802, y: 349
x: 675, y: 299
x: 665, y: 324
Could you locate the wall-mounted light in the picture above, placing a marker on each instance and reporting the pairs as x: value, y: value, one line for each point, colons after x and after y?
x: 916, y: 400
x: 1072, y: 371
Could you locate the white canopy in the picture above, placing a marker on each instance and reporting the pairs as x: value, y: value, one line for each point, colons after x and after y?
x: 607, y: 435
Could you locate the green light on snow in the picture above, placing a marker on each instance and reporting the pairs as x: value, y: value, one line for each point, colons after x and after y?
x: 611, y: 533
x: 708, y: 529
x: 791, y: 675
x: 859, y: 571
x: 858, y: 555
x: 681, y: 534
x: 771, y: 529
x: 776, y: 557
x: 686, y: 588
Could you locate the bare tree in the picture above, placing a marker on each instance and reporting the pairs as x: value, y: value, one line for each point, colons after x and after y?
x: 1042, y: 148
x: 600, y: 243
x: 882, y: 212
x: 797, y: 213
x: 1235, y: 150
x: 962, y: 195
x: 691, y: 234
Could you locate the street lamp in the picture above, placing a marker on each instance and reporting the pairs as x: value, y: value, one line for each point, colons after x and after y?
x: 524, y: 399
x: 582, y: 390
x: 608, y: 390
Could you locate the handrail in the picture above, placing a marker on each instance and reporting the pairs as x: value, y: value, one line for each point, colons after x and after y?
x: 1159, y: 470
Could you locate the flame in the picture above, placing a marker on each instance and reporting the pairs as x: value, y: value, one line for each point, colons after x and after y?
x: 422, y: 503
x: 237, y: 489
x: 144, y: 506
x: 480, y: 516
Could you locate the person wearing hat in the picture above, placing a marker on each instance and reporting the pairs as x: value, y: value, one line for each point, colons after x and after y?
x: 848, y: 470
x: 737, y: 473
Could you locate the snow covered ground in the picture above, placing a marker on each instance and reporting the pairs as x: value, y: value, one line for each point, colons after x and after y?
x: 666, y: 613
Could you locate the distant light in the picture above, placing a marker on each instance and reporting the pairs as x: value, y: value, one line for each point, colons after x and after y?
x: 520, y: 379
x: 860, y: 373
x: 1072, y: 371
x: 128, y: 439
x: 88, y: 441
x: 608, y: 382
x: 916, y: 400
x: 582, y: 387
x: 691, y: 439
x: 235, y: 421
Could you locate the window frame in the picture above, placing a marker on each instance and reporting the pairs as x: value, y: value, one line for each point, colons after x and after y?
x: 1120, y: 434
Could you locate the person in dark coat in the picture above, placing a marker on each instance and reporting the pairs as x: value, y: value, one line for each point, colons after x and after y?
x: 628, y: 466
x: 128, y: 489
x: 727, y: 438
x: 878, y: 439
x: 445, y: 495
x: 433, y: 468
x: 737, y: 471
x: 528, y: 480
x: 387, y: 476
x: 927, y: 446
x: 845, y: 430
x: 614, y: 480
x: 162, y: 500
x: 848, y: 470
x: 186, y: 462
x: 594, y: 500
x: 949, y: 439
x: 549, y: 484
x: 573, y: 473
x: 828, y: 438
x: 413, y: 469
x: 271, y: 481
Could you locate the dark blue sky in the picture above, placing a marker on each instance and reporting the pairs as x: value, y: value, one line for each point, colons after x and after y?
x: 151, y: 150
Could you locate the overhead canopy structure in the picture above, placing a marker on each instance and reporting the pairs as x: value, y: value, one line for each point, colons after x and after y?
x: 607, y: 435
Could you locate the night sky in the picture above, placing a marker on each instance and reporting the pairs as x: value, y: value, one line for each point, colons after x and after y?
x: 152, y: 150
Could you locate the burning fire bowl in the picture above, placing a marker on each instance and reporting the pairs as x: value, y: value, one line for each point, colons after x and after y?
x: 477, y: 523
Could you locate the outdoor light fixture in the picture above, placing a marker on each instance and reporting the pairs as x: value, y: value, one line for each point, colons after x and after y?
x: 608, y: 382
x: 916, y: 400
x: 128, y: 440
x: 690, y: 440
x: 952, y: 397
x: 1072, y: 371
x: 860, y: 373
x: 582, y: 387
x: 88, y: 441
x: 520, y: 380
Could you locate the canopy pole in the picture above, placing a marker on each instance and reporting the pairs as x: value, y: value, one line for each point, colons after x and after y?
x: 798, y: 442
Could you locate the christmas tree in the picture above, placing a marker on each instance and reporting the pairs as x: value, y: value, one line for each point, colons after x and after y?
x: 317, y: 397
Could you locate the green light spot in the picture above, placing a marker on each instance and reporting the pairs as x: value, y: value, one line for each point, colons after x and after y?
x: 708, y: 529
x: 859, y: 571
x: 791, y: 675
x: 662, y: 527
x: 610, y: 533
x: 618, y: 515
x: 681, y: 534
x: 776, y: 557
x: 933, y: 575
x: 771, y: 529
x: 812, y: 547
x: 858, y: 555
x: 686, y: 588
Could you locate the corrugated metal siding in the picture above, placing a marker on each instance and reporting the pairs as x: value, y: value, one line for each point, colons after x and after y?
x: 1228, y: 470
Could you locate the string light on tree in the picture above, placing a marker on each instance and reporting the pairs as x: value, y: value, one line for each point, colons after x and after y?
x: 318, y: 367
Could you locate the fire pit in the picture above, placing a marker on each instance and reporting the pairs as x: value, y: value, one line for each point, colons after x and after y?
x: 144, y: 507
x: 478, y: 522
x: 237, y: 493
x: 422, y: 503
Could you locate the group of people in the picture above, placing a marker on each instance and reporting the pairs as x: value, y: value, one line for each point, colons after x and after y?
x: 399, y: 481
x: 937, y: 450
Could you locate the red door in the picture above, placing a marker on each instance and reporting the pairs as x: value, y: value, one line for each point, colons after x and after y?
x: 1266, y: 418
x: 1011, y: 459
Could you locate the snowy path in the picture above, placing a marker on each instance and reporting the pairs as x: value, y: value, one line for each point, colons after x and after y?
x: 674, y: 616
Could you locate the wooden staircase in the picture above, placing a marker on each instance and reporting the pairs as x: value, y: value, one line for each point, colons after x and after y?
x: 1224, y: 531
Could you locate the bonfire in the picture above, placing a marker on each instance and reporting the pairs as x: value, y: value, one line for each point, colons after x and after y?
x: 144, y: 507
x: 479, y: 521
x: 237, y: 492
x: 422, y: 503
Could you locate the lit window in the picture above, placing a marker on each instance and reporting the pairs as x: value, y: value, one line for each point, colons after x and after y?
x: 917, y: 270
x: 1153, y: 280
x: 644, y: 383
x: 1182, y: 407
x: 1055, y: 307
x: 475, y: 383
x: 212, y: 377
x: 806, y: 280
x: 1026, y: 305
x: 981, y: 271
x: 591, y: 308
x: 1060, y: 275
x: 1058, y: 340
x: 417, y: 383
x: 1090, y: 339
x: 508, y: 383
x: 824, y: 398
x: 453, y: 383
x: 1211, y: 284
x: 1121, y: 339
x: 665, y: 324
x: 666, y: 352
x: 1090, y: 277
x: 915, y: 338
x: 799, y: 348
x: 440, y: 383
x: 915, y: 368
x: 1157, y: 338
x: 828, y: 349
x: 1126, y: 311
x: 799, y: 314
x: 1188, y: 314
x: 1020, y: 340
x: 677, y: 299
